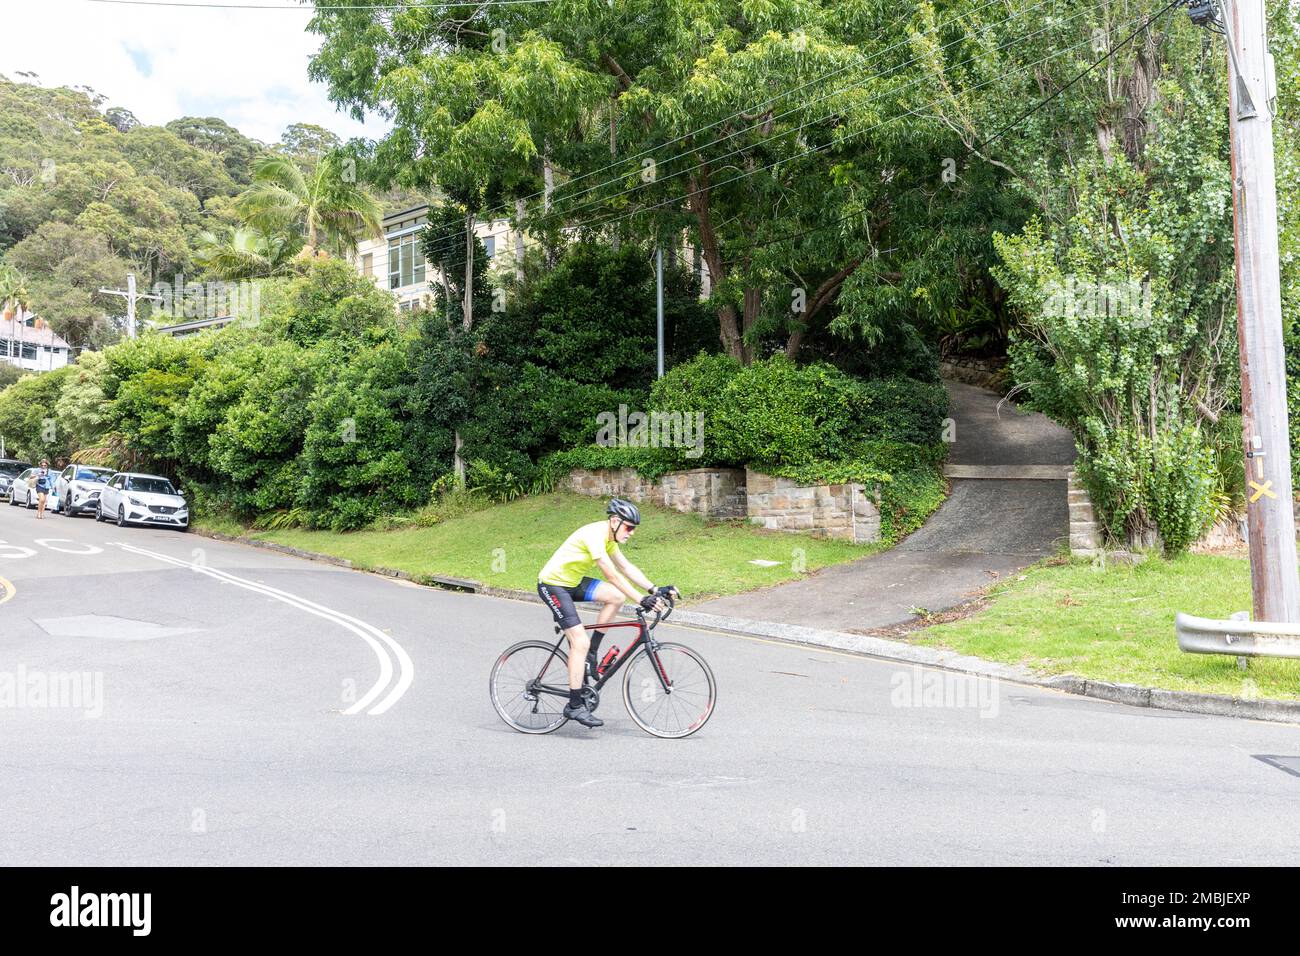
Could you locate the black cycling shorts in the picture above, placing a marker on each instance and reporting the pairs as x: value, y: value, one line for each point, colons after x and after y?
x: 560, y: 600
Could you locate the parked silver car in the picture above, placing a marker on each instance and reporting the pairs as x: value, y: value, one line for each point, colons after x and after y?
x: 11, y: 468
x: 78, y: 487
x: 131, y: 498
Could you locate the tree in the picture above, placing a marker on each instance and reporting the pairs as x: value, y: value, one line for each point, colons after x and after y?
x: 488, y: 101
x: 246, y: 253
x: 236, y: 151
x: 327, y: 206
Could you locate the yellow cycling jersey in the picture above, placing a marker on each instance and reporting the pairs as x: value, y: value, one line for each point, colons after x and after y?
x: 576, y: 558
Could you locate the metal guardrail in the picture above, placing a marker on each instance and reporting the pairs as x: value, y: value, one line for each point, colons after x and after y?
x: 1238, y: 637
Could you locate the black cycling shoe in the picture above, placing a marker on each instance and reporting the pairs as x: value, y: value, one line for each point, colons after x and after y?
x: 592, y: 664
x: 583, y: 716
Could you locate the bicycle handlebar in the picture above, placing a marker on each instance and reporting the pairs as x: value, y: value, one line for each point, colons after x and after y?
x: 659, y: 615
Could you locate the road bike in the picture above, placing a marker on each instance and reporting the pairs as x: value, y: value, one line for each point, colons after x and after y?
x: 668, y: 688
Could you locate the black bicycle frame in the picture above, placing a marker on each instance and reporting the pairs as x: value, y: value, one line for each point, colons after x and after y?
x: 643, y: 634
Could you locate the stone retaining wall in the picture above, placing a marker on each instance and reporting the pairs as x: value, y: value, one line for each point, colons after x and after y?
x: 848, y: 512
x: 712, y: 492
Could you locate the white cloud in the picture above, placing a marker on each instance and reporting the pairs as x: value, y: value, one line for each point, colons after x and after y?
x: 248, y: 67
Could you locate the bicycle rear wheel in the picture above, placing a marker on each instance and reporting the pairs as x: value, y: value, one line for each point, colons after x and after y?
x: 686, y: 707
x: 530, y: 701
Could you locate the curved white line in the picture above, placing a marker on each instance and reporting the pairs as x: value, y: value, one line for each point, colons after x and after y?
x: 405, y: 666
x: 358, y: 627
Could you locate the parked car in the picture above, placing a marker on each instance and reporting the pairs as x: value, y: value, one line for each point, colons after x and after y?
x: 77, y: 489
x: 19, y: 492
x: 132, y: 498
x: 11, y: 468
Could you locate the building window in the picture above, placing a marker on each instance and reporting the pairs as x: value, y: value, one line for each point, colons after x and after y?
x: 490, y: 244
x: 405, y: 262
x: 368, y: 264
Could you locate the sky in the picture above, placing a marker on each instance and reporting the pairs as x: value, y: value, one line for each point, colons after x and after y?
x: 247, y: 67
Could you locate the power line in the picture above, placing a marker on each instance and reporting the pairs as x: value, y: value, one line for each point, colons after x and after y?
x: 981, y: 144
x: 553, y: 214
x: 602, y: 222
x: 762, y: 103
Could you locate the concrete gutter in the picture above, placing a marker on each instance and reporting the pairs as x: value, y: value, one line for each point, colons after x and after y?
x: 1215, y: 705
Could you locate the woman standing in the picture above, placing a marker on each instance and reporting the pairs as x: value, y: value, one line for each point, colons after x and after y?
x: 42, y: 486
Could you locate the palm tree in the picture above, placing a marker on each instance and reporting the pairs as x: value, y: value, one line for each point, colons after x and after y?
x: 330, y: 208
x: 246, y: 254
x: 14, y: 297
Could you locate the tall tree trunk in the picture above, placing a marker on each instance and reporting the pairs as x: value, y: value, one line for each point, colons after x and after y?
x: 467, y: 305
x: 613, y: 149
x: 728, y: 327
x: 824, y: 295
x: 458, y: 463
x: 548, y: 186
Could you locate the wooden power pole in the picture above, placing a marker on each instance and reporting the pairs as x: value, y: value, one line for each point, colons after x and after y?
x: 1270, y: 521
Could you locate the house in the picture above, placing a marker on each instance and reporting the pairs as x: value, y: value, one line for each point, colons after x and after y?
x: 397, y: 263
x: 31, y: 344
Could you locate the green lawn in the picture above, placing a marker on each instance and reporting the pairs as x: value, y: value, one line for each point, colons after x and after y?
x: 1117, y: 624
x: 506, y: 545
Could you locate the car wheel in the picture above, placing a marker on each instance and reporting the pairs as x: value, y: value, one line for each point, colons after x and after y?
x: 99, y: 512
x: 121, y: 516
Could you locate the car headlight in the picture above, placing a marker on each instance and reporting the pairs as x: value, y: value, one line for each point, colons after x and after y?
x: 138, y: 504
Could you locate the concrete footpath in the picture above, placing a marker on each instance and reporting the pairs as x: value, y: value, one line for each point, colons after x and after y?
x: 985, y: 530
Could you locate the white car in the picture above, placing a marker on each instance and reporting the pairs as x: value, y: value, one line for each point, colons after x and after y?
x: 20, y: 493
x: 131, y: 498
x: 78, y: 487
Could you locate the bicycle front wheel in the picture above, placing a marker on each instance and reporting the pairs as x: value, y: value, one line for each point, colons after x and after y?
x: 688, y: 702
x: 530, y: 686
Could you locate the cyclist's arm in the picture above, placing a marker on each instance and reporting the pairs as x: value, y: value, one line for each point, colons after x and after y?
x: 612, y: 575
x: 633, y: 573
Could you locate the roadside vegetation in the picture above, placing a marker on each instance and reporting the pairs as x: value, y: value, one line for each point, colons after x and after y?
x: 1116, y: 623
x: 506, y: 545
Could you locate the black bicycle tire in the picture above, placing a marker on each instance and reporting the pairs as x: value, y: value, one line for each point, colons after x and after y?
x: 492, y: 686
x: 627, y: 684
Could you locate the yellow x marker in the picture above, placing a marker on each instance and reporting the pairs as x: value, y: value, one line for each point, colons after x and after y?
x: 1261, y: 490
x: 8, y: 589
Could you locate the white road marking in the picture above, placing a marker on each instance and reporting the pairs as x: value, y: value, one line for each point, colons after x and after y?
x: 45, y: 543
x: 24, y: 552
x: 366, y: 632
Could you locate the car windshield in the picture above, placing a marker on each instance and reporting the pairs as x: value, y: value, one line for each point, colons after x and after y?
x: 89, y: 474
x: 11, y: 469
x: 150, y: 486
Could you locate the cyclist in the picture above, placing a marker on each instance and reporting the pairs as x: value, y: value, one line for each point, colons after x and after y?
x: 571, y: 575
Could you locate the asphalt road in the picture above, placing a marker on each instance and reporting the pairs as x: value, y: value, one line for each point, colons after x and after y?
x: 241, y: 725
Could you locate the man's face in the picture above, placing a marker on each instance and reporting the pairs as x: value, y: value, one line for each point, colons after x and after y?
x: 622, y: 530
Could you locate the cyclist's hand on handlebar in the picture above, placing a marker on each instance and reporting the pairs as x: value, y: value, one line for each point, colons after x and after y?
x: 668, y: 591
x: 651, y: 602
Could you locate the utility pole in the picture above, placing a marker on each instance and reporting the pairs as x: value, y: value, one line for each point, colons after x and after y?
x: 1270, y: 522
x: 659, y: 301
x: 130, y: 295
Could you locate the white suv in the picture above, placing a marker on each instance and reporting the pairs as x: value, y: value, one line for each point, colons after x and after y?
x: 131, y: 498
x: 78, y: 487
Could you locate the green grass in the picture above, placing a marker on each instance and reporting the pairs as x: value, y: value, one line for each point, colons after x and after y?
x: 506, y: 545
x: 1117, y: 624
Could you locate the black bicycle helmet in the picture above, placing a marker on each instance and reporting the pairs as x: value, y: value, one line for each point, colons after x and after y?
x: 624, y: 509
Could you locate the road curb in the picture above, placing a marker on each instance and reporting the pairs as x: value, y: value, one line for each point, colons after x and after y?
x: 1214, y: 705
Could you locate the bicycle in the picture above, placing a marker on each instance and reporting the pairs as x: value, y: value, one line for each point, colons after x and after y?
x: 668, y: 689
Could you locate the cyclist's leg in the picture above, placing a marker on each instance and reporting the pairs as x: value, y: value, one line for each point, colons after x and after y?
x: 611, y: 601
x: 559, y: 599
